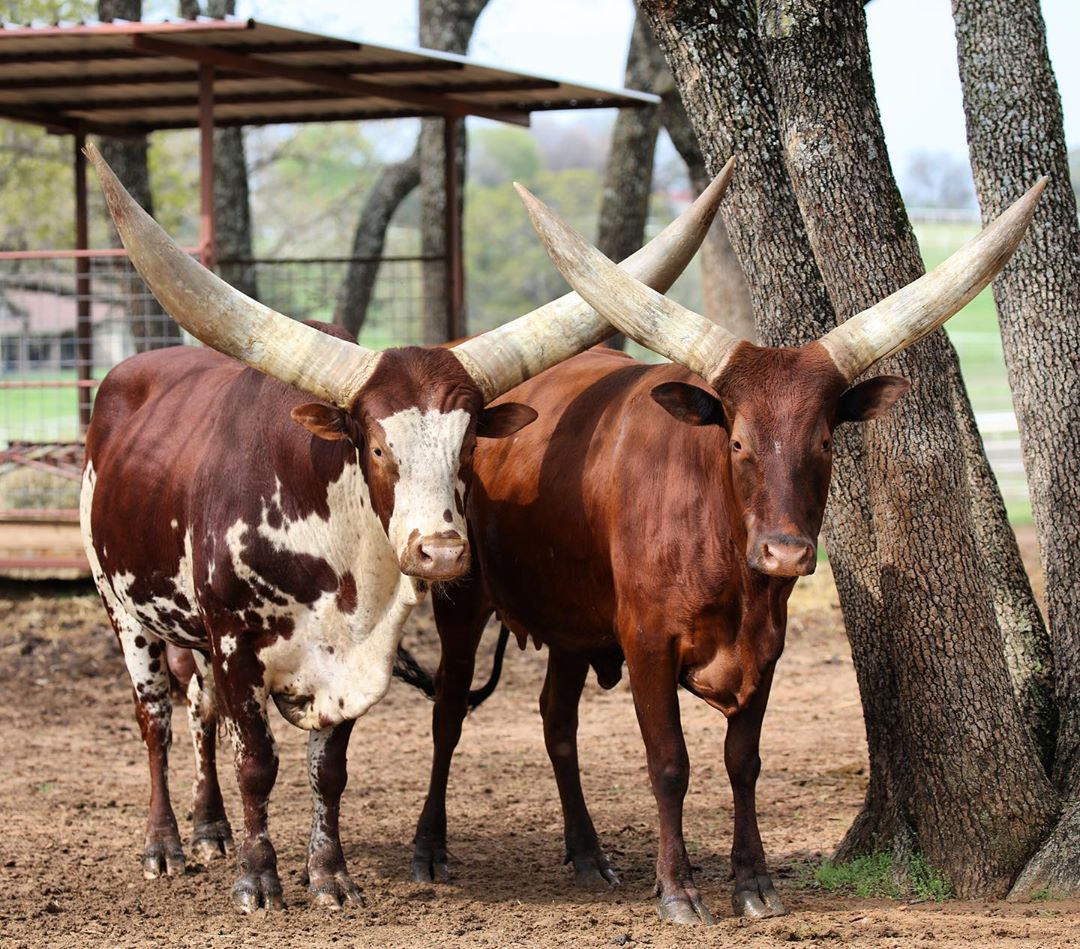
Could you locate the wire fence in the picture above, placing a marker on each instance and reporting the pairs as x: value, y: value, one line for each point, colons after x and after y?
x: 65, y: 321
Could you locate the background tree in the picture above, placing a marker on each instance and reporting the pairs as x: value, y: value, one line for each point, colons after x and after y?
x: 953, y: 767
x: 232, y: 198
x: 445, y: 25
x: 129, y: 159
x: 725, y: 295
x: 628, y: 176
x: 1015, y: 133
x: 395, y: 183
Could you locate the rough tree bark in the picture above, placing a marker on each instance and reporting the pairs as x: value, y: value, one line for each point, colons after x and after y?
x: 394, y: 184
x: 723, y: 284
x: 232, y: 200
x: 628, y: 175
x: 150, y: 328
x: 445, y: 25
x: 1015, y: 133
x: 921, y: 618
x: 966, y: 774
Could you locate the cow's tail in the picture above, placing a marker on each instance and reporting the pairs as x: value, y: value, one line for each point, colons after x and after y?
x: 411, y: 672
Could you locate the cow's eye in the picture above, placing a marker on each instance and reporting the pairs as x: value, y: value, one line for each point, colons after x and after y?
x: 826, y: 445
x: 377, y: 452
x: 736, y: 446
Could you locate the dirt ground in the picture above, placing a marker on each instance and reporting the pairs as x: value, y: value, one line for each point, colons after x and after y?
x: 73, y: 794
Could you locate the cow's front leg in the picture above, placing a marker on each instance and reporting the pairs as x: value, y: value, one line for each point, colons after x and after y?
x: 654, y: 685
x: 755, y: 896
x: 328, y: 877
x: 461, y: 621
x: 256, y: 760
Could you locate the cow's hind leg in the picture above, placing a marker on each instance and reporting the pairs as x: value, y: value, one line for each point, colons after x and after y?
x: 211, y: 834
x: 239, y: 677
x: 461, y: 623
x: 144, y: 656
x: 754, y: 896
x: 328, y: 877
x: 559, y: 700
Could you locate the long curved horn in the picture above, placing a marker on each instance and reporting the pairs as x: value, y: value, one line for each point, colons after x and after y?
x: 923, y: 305
x: 644, y: 315
x: 508, y: 355
x: 226, y: 319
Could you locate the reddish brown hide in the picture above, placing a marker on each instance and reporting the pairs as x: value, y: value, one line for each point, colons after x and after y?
x: 608, y: 531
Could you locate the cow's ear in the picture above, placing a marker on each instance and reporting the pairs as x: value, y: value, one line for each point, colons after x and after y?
x: 871, y: 399
x: 323, y: 421
x: 689, y: 404
x: 505, y: 419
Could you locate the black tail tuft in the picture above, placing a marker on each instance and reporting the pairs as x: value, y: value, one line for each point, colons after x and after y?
x: 411, y: 672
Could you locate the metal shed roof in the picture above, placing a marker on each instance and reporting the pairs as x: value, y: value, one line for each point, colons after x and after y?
x: 131, y: 78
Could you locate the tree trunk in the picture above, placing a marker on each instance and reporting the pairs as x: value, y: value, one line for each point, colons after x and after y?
x: 445, y: 25
x: 967, y: 773
x: 921, y: 618
x: 1015, y: 134
x: 150, y: 327
x: 232, y: 201
x: 394, y: 184
x: 628, y: 175
x: 723, y: 284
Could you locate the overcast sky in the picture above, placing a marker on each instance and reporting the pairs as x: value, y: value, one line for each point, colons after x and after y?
x: 912, y: 43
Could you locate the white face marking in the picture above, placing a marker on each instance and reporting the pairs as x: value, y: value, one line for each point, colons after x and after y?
x: 776, y: 446
x: 427, y: 448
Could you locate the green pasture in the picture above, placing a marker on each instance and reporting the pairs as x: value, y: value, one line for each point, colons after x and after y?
x: 974, y: 330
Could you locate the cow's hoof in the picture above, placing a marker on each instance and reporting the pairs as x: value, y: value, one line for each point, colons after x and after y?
x: 254, y: 891
x: 593, y: 872
x: 337, y: 891
x: 211, y: 840
x: 163, y: 855
x: 757, y: 899
x: 685, y: 908
x: 429, y: 864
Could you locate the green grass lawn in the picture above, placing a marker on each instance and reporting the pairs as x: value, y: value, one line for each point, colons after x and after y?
x: 974, y: 330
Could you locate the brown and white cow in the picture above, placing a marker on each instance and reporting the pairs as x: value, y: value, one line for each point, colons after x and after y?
x: 285, y: 541
x: 608, y: 531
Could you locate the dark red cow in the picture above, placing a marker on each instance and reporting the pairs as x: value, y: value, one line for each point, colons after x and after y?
x: 610, y: 532
x: 285, y: 541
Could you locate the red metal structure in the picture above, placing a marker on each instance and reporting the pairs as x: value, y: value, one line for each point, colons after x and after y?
x: 128, y: 79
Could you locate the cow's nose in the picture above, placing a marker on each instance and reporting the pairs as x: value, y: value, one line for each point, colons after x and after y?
x: 437, y: 557
x: 786, y: 557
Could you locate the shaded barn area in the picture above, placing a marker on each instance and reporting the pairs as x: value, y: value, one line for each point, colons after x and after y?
x: 68, y: 315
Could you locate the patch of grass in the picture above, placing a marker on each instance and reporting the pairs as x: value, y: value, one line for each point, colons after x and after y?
x: 878, y: 876
x: 1046, y: 895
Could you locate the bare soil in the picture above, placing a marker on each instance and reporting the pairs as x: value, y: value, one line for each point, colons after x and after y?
x: 73, y: 794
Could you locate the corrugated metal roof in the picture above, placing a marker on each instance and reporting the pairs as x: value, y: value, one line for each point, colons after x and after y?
x: 129, y: 78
